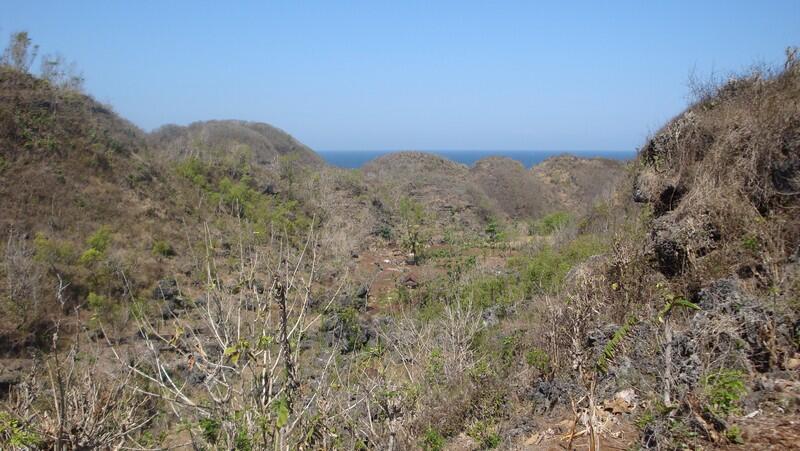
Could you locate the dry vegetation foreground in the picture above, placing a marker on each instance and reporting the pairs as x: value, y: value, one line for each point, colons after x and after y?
x: 217, y: 287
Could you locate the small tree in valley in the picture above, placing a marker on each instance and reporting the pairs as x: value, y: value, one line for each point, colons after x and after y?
x: 412, y: 216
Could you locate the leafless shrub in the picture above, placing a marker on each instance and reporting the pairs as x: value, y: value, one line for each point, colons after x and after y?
x: 23, y: 302
x: 235, y: 368
x: 79, y: 407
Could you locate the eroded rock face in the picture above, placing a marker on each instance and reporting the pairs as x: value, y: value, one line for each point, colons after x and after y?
x: 670, y: 253
x: 13, y: 372
x: 676, y: 239
x: 346, y: 331
x: 733, y: 330
x: 547, y: 394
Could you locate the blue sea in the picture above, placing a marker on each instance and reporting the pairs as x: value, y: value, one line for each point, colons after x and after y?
x: 356, y: 158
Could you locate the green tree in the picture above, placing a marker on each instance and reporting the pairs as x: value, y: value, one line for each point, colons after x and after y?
x: 290, y: 168
x: 412, y: 216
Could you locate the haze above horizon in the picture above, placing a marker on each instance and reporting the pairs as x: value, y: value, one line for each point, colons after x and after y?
x: 379, y: 75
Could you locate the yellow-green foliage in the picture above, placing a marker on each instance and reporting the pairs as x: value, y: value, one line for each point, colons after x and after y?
x: 724, y: 389
x: 432, y: 440
x: 487, y: 291
x: 16, y: 436
x: 51, y: 251
x: 239, y: 198
x: 103, y: 308
x: 412, y: 216
x: 538, y: 359
x: 195, y: 171
x: 485, y: 432
x: 494, y: 232
x: 98, y: 244
x: 551, y: 223
x: 545, y: 270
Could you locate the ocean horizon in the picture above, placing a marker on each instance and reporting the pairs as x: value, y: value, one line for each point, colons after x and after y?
x: 353, y: 159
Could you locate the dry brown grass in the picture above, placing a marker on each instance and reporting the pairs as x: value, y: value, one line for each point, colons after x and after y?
x: 724, y: 177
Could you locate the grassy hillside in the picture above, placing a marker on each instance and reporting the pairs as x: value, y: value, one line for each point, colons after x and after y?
x: 254, y: 142
x: 217, y: 287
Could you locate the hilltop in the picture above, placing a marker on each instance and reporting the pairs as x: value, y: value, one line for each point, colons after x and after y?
x: 259, y: 143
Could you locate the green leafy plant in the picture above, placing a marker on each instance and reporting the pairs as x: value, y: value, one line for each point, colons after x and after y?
x: 98, y: 244
x: 538, y: 359
x: 235, y: 352
x: 281, y: 411
x: 546, y: 270
x: 734, y: 434
x: 493, y: 231
x: 432, y: 440
x: 15, y: 435
x: 412, y: 216
x: 724, y: 390
x: 509, y: 348
x: 435, y: 370
x: 751, y: 242
x: 672, y: 302
x: 611, y: 348
x: 645, y: 419
x: 484, y: 432
x: 384, y: 232
x: 210, y: 429
x: 100, y: 239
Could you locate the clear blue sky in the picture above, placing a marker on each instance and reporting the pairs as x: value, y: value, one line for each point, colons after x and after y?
x: 410, y: 75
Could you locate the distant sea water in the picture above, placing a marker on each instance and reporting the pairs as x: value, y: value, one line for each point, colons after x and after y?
x: 356, y: 158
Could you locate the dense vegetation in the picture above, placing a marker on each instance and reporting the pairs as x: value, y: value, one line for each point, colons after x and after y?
x: 217, y: 287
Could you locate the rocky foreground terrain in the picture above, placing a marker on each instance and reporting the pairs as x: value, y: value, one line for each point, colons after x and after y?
x: 217, y: 286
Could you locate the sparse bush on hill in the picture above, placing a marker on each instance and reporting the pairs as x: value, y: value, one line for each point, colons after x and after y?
x: 20, y: 52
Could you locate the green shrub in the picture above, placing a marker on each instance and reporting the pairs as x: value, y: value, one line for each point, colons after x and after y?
x: 487, y: 291
x: 210, y: 429
x: 100, y: 239
x: 538, y: 359
x: 734, y: 434
x: 98, y: 244
x: 494, y: 232
x: 432, y: 440
x: 645, y: 419
x: 546, y: 270
x: 751, y: 243
x: 384, y: 232
x: 163, y: 249
x: 52, y: 251
x: 90, y: 257
x: 103, y: 309
x: 551, y: 223
x: 724, y: 389
x: 484, y: 432
x: 509, y: 348
x: 435, y: 370
x: 15, y: 435
x: 195, y: 170
x: 235, y: 192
